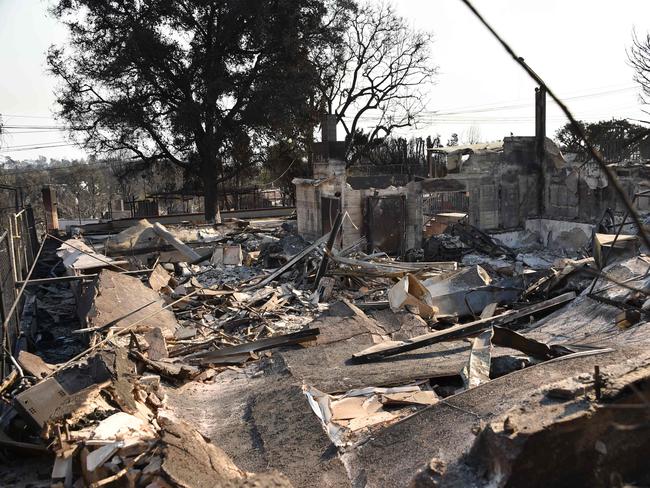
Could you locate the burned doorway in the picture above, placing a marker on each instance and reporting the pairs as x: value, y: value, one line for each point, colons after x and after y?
x: 386, y: 223
x: 329, y: 209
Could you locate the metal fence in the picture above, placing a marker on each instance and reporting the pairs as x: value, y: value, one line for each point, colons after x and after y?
x: 445, y: 201
x: 18, y: 247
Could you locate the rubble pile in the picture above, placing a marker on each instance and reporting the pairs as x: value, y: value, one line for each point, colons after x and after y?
x: 253, y: 357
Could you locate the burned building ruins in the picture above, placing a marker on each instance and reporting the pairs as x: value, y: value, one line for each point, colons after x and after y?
x: 505, y: 187
x: 477, y: 317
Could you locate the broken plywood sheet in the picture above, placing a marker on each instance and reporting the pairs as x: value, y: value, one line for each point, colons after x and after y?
x: 349, y: 416
x: 34, y: 365
x: 78, y: 257
x: 121, y: 300
x: 612, y: 248
x: 422, y: 397
x: 343, y: 321
x: 328, y: 368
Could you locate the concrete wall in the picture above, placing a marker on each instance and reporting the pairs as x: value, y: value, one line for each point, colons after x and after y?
x: 332, y: 184
x: 504, y: 188
x: 561, y: 234
x: 508, y: 190
x: 582, y: 192
x: 308, y: 210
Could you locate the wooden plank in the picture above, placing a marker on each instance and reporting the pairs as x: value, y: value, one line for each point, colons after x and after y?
x: 256, y: 346
x: 159, y: 278
x: 460, y: 331
x: 13, y: 445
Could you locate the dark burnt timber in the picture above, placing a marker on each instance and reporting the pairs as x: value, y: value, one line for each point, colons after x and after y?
x: 328, y: 248
x: 215, y: 357
x: 461, y: 331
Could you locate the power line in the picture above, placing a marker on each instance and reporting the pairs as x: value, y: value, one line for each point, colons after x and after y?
x: 611, y: 177
x: 468, y: 110
x: 13, y: 126
x: 35, y: 144
x: 35, y: 131
x: 36, y: 147
x: 28, y: 116
x: 70, y: 167
x: 512, y: 105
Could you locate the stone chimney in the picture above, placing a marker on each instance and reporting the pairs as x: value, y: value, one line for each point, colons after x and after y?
x: 328, y: 128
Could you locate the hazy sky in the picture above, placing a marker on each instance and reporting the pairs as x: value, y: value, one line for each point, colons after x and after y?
x: 577, y: 46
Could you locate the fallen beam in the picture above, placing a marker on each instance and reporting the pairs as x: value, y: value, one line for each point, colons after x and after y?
x: 224, y: 354
x: 183, y: 248
x: 509, y: 338
x: 83, y: 277
x: 391, y: 269
x: 381, y: 351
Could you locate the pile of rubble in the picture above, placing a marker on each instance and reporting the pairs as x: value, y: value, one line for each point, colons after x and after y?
x: 308, y: 364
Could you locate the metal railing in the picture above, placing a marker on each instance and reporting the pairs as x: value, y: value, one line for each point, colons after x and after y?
x: 18, y: 248
x: 445, y: 201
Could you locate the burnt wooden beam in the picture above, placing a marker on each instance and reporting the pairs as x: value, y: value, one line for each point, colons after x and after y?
x: 222, y: 355
x: 460, y: 331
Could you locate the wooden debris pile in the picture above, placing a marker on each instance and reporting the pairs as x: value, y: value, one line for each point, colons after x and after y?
x: 115, y: 432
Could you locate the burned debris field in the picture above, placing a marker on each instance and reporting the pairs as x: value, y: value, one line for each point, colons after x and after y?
x: 273, y: 261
